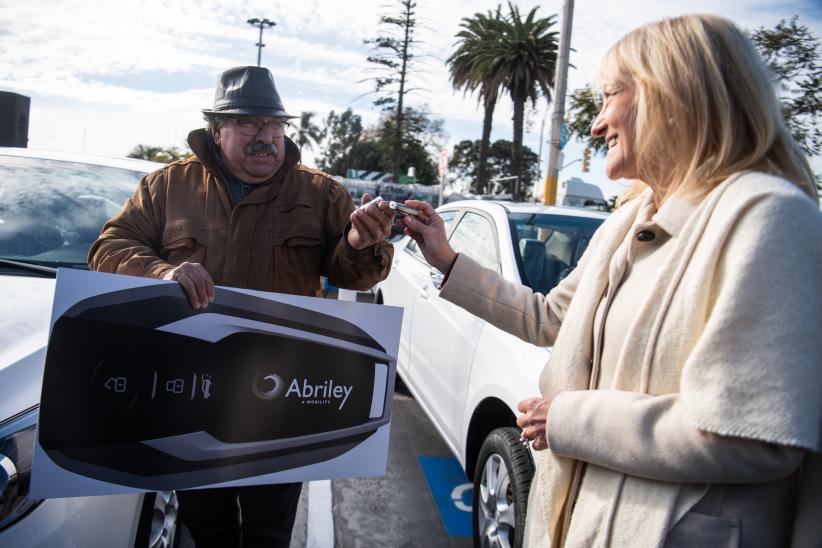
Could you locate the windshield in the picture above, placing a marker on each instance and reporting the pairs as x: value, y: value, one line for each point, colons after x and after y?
x: 51, y: 211
x: 548, y: 246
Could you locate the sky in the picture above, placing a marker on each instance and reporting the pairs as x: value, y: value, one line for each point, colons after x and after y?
x: 104, y: 76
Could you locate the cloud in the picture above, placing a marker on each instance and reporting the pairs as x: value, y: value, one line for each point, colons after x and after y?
x: 150, y: 66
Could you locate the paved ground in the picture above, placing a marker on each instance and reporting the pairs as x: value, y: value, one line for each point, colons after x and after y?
x: 397, y: 509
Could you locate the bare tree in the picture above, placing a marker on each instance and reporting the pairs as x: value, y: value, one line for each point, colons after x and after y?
x: 792, y: 52
x: 393, y: 56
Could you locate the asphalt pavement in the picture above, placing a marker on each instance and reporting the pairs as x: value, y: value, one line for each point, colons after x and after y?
x: 398, y: 509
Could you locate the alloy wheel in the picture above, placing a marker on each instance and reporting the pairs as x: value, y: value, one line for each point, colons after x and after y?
x: 497, y: 514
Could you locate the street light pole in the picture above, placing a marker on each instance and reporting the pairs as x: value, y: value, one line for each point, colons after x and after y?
x: 549, y: 191
x: 261, y: 24
x: 541, y: 136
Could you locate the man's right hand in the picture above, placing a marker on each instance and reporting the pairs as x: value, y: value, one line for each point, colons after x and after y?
x: 196, y: 282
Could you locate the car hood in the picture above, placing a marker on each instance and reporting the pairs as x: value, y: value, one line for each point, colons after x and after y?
x: 24, y: 328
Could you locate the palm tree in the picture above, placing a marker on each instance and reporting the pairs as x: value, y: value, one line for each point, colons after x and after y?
x: 159, y: 154
x: 525, y: 66
x: 473, y: 68
x: 307, y: 134
x: 144, y: 152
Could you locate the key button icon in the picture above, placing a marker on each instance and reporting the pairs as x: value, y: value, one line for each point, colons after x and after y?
x: 175, y: 386
x: 117, y: 384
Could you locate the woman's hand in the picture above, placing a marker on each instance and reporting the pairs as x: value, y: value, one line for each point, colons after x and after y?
x: 534, y: 421
x: 428, y: 230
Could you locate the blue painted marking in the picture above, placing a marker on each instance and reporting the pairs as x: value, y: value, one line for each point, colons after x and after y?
x: 452, y: 492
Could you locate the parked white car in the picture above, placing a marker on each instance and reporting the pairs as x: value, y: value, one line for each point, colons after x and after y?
x: 468, y: 375
x: 52, y: 207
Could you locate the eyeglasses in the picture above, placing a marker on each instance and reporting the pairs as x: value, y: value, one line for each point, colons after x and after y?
x: 251, y: 127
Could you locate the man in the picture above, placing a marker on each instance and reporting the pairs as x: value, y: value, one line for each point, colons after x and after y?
x: 242, y: 212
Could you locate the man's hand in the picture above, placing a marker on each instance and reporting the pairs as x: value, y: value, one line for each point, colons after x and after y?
x: 428, y: 229
x: 534, y: 422
x: 370, y: 224
x: 196, y: 281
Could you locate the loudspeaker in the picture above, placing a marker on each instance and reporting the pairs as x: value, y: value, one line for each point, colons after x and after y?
x: 14, y: 119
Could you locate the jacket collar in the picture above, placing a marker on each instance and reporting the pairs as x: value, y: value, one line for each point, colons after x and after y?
x: 198, y: 141
x: 675, y: 212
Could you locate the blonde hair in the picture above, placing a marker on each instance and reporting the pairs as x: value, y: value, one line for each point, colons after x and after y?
x: 705, y: 106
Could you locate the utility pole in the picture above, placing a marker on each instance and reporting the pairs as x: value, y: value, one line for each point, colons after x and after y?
x: 549, y: 192
x: 443, y: 169
x: 541, y: 137
x: 261, y: 24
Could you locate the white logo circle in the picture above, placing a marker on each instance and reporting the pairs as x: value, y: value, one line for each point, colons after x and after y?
x: 268, y: 387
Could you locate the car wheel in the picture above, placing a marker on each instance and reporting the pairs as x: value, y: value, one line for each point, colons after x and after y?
x: 158, y: 521
x: 502, y: 481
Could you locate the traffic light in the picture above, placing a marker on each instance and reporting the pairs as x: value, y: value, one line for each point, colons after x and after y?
x: 586, y: 160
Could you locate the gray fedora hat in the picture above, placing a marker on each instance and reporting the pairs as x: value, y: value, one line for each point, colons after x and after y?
x: 248, y: 91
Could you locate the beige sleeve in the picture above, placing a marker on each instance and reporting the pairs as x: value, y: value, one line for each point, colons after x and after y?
x: 650, y: 437
x: 510, y: 306
x: 514, y: 307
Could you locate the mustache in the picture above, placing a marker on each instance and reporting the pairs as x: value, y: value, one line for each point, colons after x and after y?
x: 260, y: 148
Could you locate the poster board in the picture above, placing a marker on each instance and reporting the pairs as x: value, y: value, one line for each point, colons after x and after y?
x: 143, y: 393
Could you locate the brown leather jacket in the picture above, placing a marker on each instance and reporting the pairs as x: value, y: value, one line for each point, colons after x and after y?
x: 281, y: 238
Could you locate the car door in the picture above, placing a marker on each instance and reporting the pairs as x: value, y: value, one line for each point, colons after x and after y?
x: 443, y: 335
x: 409, y: 270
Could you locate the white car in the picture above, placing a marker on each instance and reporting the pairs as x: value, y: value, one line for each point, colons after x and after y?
x: 468, y: 375
x: 52, y: 207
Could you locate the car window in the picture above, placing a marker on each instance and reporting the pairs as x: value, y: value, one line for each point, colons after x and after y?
x: 448, y: 217
x: 547, y: 247
x: 474, y: 236
x: 51, y: 211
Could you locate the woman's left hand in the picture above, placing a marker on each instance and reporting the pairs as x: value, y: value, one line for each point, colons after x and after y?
x: 534, y: 421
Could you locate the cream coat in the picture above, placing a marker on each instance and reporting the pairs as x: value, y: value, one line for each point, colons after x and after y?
x: 727, y: 342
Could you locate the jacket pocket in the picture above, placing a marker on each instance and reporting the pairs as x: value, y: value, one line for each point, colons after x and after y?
x: 296, y: 206
x: 183, y: 242
x: 701, y: 530
x: 297, y: 256
x: 299, y: 236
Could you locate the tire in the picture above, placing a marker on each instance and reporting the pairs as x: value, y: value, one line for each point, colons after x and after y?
x: 159, y: 525
x: 502, y: 481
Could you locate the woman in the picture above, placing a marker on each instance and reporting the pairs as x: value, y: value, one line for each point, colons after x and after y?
x: 682, y: 404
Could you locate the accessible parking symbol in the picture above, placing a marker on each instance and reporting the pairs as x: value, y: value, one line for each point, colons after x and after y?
x: 452, y: 492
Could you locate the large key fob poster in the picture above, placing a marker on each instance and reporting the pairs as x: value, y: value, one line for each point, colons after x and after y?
x: 143, y: 392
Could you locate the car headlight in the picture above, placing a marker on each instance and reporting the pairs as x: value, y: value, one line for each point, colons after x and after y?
x: 17, y: 436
